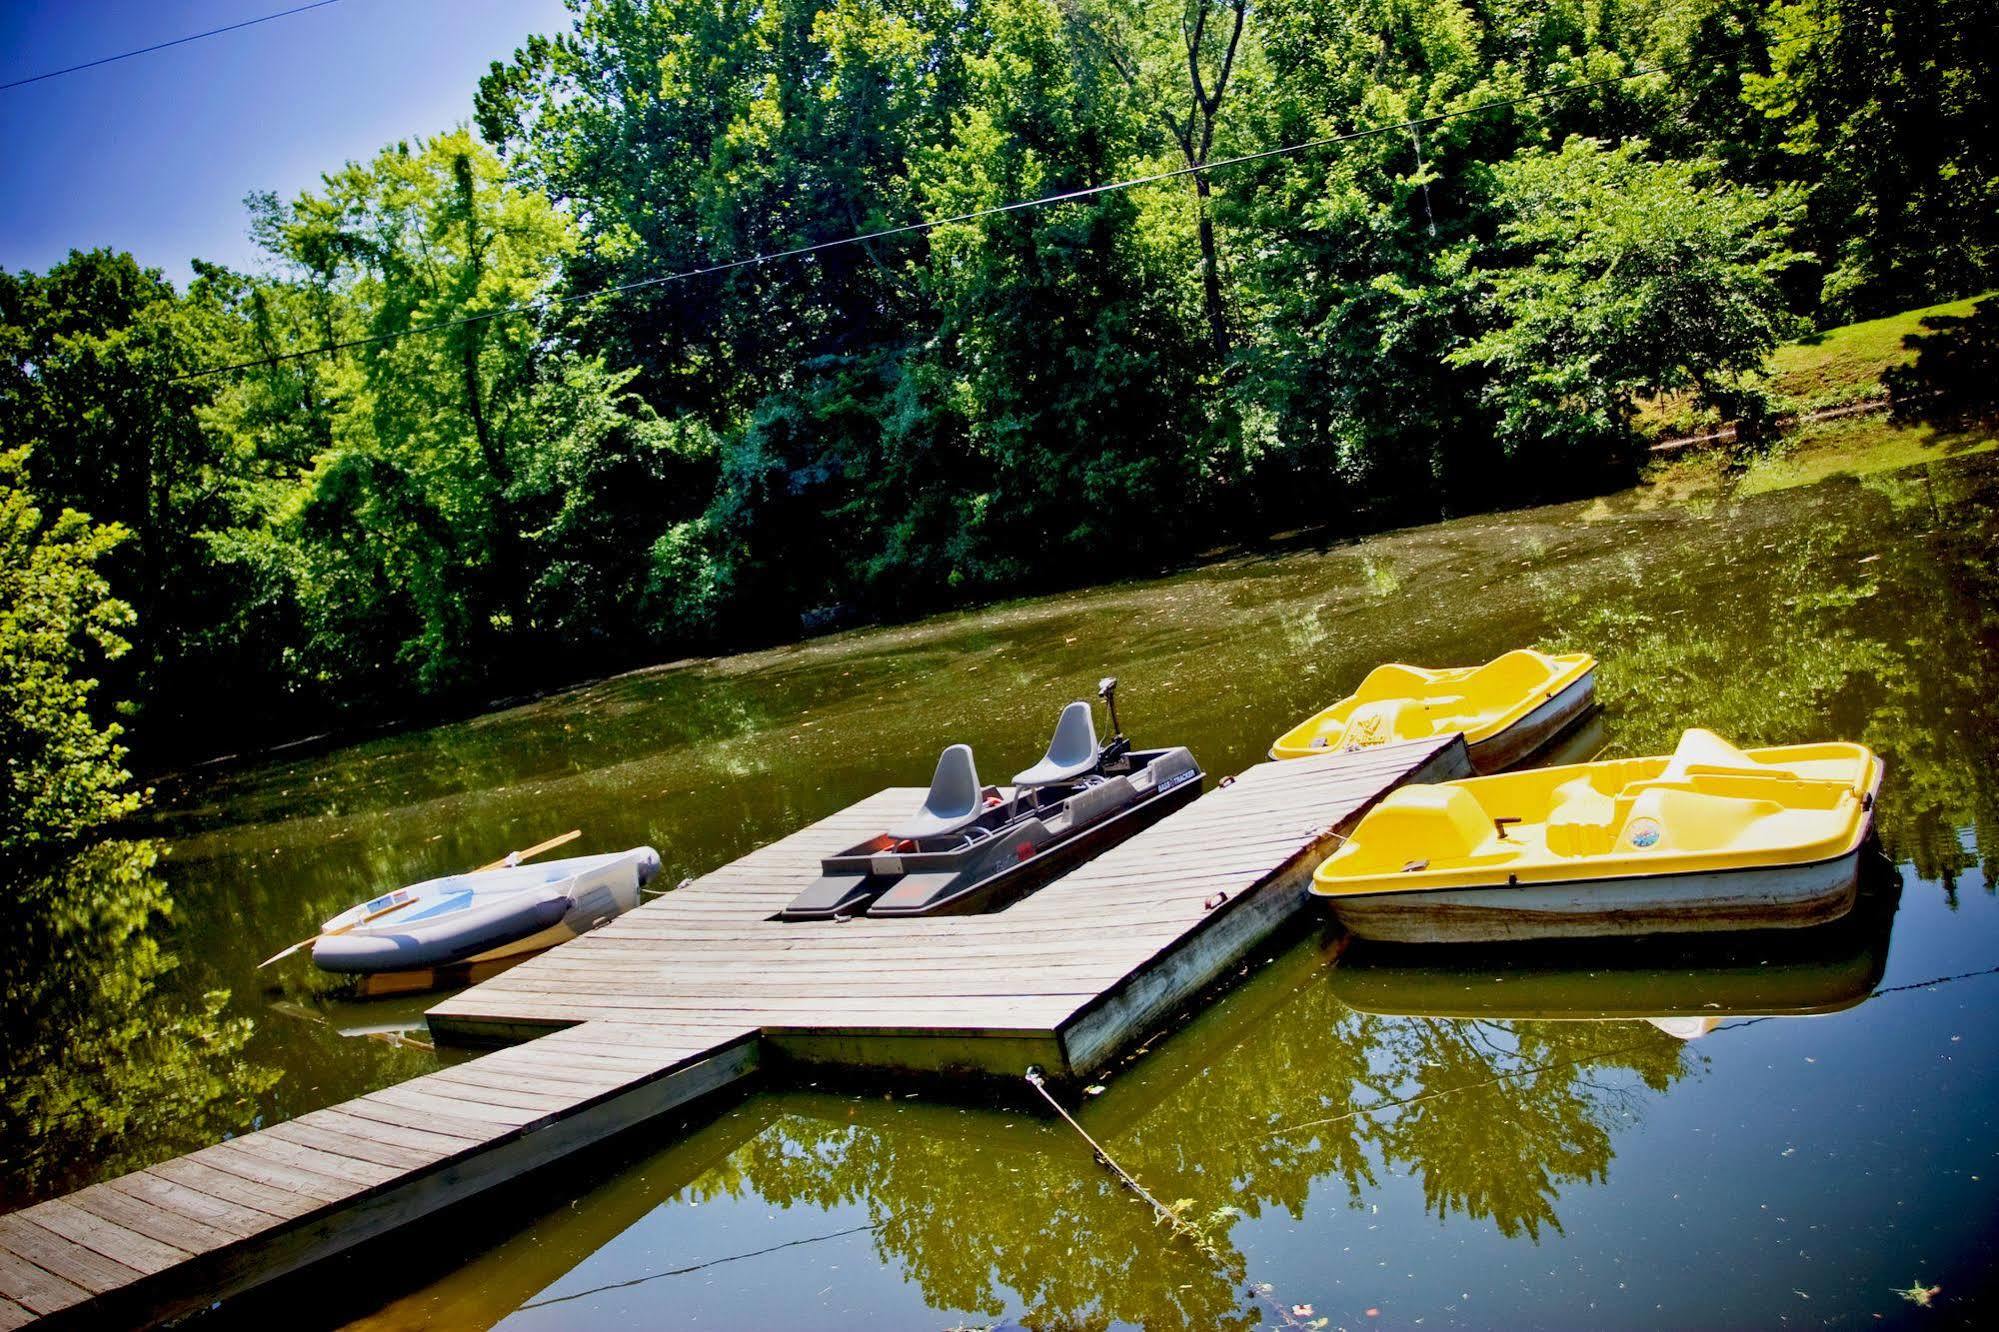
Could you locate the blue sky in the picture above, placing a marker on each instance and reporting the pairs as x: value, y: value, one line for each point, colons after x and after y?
x: 155, y: 154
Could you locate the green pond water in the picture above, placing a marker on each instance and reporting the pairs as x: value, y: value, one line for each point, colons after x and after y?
x: 1780, y: 1130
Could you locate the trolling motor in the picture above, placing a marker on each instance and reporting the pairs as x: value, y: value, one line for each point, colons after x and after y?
x: 1117, y: 746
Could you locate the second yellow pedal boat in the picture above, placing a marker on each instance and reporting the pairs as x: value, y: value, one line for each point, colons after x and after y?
x: 1508, y: 709
x: 1709, y: 838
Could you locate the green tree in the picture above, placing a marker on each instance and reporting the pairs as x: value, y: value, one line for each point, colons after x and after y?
x: 65, y: 773
x: 1182, y: 59
x: 89, y: 1058
x: 429, y: 526
x: 1889, y: 115
x: 89, y: 357
x: 1628, y: 277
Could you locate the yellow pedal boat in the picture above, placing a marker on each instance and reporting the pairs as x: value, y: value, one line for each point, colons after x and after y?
x: 1508, y: 709
x: 1709, y: 838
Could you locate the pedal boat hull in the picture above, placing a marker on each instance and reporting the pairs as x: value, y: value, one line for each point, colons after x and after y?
x: 1671, y: 982
x: 1785, y: 897
x: 1483, y: 898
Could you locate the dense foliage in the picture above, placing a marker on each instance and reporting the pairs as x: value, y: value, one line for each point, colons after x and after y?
x: 1537, y: 215
x: 91, y: 1055
x: 63, y: 775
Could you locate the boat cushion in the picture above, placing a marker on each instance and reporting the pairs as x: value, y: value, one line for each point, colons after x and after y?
x: 1071, y: 753
x: 954, y: 800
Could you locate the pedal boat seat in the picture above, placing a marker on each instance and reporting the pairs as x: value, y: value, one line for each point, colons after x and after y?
x: 955, y: 800
x: 1071, y: 754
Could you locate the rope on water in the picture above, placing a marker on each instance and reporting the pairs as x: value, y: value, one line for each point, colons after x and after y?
x: 1165, y: 1213
x: 1286, y: 1316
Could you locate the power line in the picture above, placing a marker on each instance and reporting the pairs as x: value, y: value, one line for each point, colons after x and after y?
x: 161, y: 46
x: 924, y: 225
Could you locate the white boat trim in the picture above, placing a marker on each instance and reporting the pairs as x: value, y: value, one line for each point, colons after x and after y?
x: 1716, y: 901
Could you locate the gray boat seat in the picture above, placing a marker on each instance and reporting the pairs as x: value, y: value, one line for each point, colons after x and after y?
x: 1071, y: 753
x: 955, y: 798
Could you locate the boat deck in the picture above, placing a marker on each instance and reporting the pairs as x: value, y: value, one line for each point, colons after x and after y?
x: 692, y: 993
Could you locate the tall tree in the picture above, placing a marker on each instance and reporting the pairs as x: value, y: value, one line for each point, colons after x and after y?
x: 1888, y: 114
x: 64, y: 772
x: 90, y: 356
x: 1183, y: 57
x: 411, y: 523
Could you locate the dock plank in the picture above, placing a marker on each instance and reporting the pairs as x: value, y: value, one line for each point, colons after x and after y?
x: 33, y: 1288
x: 677, y: 1000
x: 153, y: 1220
x: 26, y: 1238
x: 129, y: 1248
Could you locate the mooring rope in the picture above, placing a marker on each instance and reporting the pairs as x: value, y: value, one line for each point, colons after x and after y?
x: 1286, y: 1316
x: 1167, y: 1214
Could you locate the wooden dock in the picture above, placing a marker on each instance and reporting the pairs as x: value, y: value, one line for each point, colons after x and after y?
x: 692, y: 993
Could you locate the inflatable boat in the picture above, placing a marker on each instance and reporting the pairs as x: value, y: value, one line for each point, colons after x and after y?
x: 1710, y: 838
x: 484, y: 916
x: 1508, y: 709
x: 972, y: 847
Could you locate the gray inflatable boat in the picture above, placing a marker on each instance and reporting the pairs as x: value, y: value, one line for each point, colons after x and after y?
x: 486, y: 916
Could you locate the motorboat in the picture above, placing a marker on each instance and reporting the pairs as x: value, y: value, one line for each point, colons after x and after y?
x: 1709, y: 838
x: 485, y: 916
x: 1508, y: 710
x: 971, y: 847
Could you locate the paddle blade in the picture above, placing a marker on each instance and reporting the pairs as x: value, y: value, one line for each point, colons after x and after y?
x: 279, y: 957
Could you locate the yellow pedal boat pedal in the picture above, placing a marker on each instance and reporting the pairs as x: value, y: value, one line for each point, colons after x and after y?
x: 1709, y: 838
x: 1509, y: 709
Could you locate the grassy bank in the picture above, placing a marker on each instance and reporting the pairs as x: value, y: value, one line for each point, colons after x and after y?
x: 1850, y: 446
x: 1828, y: 369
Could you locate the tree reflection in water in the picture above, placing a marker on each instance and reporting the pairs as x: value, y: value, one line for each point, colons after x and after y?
x: 1494, y: 1117
x: 100, y: 1072
x: 1270, y: 1101
x: 1497, y: 1081
x: 1871, y: 615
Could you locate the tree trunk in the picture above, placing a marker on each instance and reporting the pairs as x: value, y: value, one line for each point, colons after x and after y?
x: 1211, y: 276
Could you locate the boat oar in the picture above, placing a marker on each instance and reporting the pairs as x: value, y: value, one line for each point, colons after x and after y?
x: 516, y: 857
x: 504, y: 862
x: 328, y: 934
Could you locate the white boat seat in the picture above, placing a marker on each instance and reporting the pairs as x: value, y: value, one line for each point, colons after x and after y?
x: 955, y: 799
x: 1071, y: 753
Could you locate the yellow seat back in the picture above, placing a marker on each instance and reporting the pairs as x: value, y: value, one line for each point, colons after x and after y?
x: 1440, y: 823
x: 1506, y: 677
x: 1672, y: 818
x: 1394, y: 680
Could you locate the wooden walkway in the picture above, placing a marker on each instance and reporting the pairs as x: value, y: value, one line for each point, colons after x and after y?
x: 690, y: 994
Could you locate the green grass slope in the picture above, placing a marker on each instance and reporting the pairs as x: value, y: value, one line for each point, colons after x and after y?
x: 1843, y: 365
x: 1828, y: 369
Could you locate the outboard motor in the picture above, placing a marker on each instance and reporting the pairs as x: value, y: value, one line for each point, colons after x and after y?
x: 1117, y: 746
